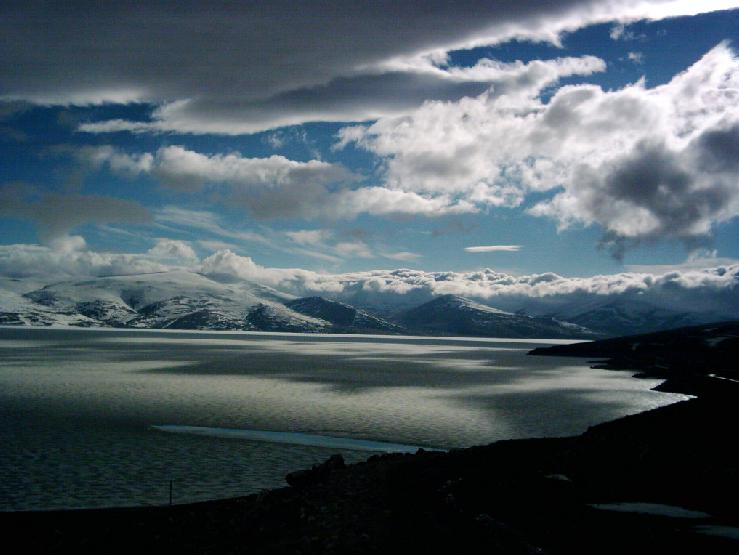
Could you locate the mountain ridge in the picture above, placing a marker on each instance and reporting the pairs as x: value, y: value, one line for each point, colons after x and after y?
x: 182, y: 299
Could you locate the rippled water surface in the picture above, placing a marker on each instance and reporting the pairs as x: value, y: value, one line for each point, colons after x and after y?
x: 86, y: 415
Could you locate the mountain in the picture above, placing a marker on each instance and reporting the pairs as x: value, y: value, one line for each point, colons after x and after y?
x: 275, y: 317
x: 698, y: 360
x: 343, y: 317
x: 454, y: 315
x: 182, y: 299
x: 628, y: 317
x: 166, y: 300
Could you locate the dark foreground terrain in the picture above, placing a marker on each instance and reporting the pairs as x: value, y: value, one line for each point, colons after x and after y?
x: 510, y: 497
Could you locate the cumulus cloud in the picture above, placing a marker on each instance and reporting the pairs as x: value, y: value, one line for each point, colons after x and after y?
x: 57, y: 214
x: 289, y: 69
x: 173, y: 250
x: 70, y: 257
x: 714, y: 290
x: 227, y: 263
x: 699, y: 258
x: 275, y: 187
x: 641, y: 163
x: 494, y: 248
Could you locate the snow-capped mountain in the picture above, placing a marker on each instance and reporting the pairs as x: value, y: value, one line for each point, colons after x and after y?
x: 453, y: 315
x: 182, y: 299
x: 177, y: 299
x: 342, y: 316
x: 629, y: 316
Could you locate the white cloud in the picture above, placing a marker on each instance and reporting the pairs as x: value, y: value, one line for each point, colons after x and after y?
x: 698, y: 259
x: 485, y: 283
x: 712, y: 290
x: 353, y: 249
x: 640, y: 163
x: 324, y: 239
x: 173, y: 250
x: 636, y: 57
x: 494, y: 248
x: 72, y: 260
x: 208, y: 222
x: 213, y: 246
x: 405, y: 256
x: 228, y: 263
x: 277, y: 187
x: 310, y: 236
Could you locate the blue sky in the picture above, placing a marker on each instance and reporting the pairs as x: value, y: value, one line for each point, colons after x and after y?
x: 429, y: 165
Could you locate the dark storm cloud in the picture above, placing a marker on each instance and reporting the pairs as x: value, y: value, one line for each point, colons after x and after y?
x: 655, y: 192
x: 260, y: 59
x: 719, y: 150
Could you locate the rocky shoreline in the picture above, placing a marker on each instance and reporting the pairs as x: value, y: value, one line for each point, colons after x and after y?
x: 608, y: 490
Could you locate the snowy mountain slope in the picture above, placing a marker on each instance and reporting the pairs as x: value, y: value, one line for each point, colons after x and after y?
x: 277, y: 317
x: 343, y: 317
x: 454, y: 315
x: 177, y: 299
x: 630, y: 316
x: 183, y: 299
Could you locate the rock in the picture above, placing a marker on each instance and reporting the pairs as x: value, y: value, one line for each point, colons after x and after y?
x: 317, y: 473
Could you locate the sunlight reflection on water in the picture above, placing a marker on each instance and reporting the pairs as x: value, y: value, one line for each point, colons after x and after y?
x: 77, y: 406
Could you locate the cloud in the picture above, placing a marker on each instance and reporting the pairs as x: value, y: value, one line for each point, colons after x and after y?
x: 636, y: 57
x: 404, y: 256
x: 204, y: 221
x: 329, y: 63
x: 712, y: 290
x: 227, y: 263
x: 57, y: 214
x: 69, y: 257
x: 274, y: 187
x: 310, y: 236
x: 640, y: 163
x: 174, y: 251
x: 270, y: 187
x: 698, y: 259
x: 494, y: 248
x: 324, y: 239
x: 353, y: 249
x: 620, y: 31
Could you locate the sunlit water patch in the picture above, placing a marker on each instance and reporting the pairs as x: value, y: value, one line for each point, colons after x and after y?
x: 77, y: 406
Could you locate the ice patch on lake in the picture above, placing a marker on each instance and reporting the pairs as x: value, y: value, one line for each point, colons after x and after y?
x: 730, y: 532
x: 655, y: 509
x: 293, y: 438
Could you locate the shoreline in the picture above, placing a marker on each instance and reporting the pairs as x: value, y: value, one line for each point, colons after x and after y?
x: 540, y: 486
x: 541, y: 495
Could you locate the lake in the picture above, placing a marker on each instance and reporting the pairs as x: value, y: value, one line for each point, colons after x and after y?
x: 93, y: 417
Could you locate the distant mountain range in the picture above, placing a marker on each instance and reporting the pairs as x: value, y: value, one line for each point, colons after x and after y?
x: 453, y: 315
x: 187, y: 300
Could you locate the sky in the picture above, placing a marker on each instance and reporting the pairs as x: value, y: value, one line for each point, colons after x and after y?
x: 580, y: 138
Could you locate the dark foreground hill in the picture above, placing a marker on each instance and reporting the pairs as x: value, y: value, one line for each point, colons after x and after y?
x: 512, y: 497
x: 685, y: 357
x: 537, y: 496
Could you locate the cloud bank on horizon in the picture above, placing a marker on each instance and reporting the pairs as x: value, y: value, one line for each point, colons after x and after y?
x: 188, y: 133
x: 702, y: 290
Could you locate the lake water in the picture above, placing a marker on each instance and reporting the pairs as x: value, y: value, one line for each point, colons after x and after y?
x: 92, y: 418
